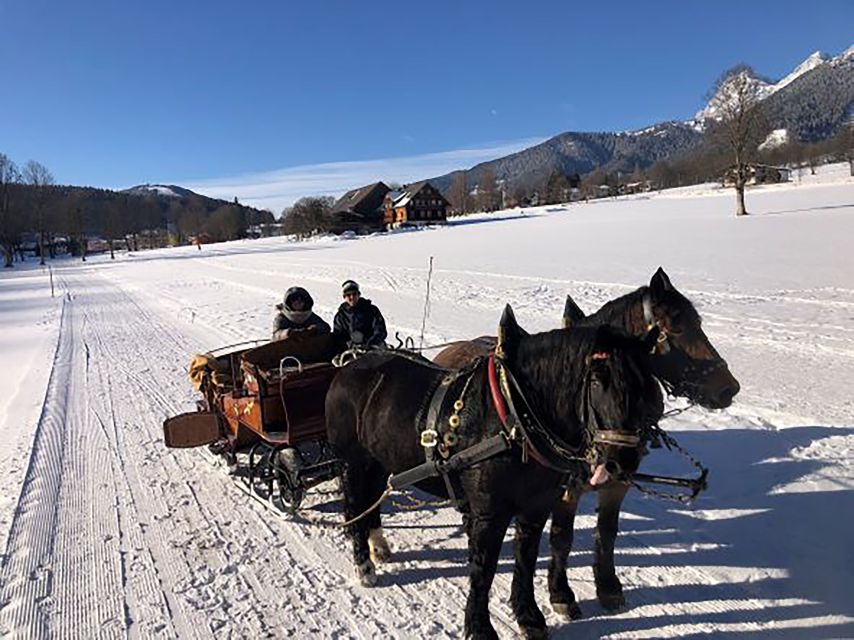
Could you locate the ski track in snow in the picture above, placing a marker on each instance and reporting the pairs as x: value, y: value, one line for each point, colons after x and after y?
x: 116, y: 536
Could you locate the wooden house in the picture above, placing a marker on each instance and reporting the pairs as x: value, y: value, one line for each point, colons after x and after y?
x: 758, y: 174
x: 359, y: 210
x: 419, y: 203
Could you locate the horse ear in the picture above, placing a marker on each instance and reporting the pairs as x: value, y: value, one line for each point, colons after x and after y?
x: 660, y: 283
x: 509, y: 333
x: 572, y: 313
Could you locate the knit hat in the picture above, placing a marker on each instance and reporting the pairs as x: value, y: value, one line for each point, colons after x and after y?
x: 350, y: 286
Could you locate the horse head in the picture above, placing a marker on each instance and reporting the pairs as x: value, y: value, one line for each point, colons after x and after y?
x: 591, y: 390
x: 683, y: 356
x: 619, y: 402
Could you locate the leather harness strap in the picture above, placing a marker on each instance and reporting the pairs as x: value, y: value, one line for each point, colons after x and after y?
x: 497, y: 396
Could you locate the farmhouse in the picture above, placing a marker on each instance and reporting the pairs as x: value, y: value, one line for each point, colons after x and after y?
x: 758, y: 174
x: 359, y: 210
x: 418, y: 203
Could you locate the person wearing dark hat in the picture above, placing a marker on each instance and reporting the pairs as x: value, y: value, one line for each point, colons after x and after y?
x: 358, y: 322
x: 294, y: 315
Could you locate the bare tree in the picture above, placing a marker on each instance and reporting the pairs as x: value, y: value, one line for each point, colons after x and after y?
x: 75, y: 223
x: 10, y: 222
x: 488, y: 196
x: 458, y: 194
x: 307, y: 215
x: 737, y: 123
x: 556, y: 188
x: 40, y: 179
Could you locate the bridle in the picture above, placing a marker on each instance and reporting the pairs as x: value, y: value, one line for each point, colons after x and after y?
x: 684, y: 385
x: 542, y: 444
x: 596, y: 435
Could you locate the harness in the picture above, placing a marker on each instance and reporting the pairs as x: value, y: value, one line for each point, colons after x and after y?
x: 662, y: 346
x: 519, y: 423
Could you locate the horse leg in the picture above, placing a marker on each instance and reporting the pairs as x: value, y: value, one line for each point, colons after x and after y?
x: 529, y: 531
x: 486, y: 534
x: 562, y: 532
x: 608, y: 587
x: 377, y: 544
x: 353, y: 482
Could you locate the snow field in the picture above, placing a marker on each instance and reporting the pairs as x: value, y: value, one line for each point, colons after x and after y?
x: 106, y: 533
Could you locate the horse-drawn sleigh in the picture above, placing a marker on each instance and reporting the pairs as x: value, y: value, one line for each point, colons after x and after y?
x: 262, y: 409
x: 515, y: 429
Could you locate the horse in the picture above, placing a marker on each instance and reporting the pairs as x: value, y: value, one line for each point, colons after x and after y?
x: 686, y: 363
x: 580, y: 395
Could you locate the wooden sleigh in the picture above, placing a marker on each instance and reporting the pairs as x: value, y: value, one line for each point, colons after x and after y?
x: 263, y: 409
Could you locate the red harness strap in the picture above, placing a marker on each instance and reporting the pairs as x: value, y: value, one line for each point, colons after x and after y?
x: 501, y: 408
x: 497, y: 397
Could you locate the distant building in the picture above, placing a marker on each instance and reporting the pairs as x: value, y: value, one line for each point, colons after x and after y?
x: 61, y: 245
x: 758, y: 174
x: 419, y: 203
x: 96, y: 244
x: 636, y: 187
x: 265, y: 230
x: 360, y: 210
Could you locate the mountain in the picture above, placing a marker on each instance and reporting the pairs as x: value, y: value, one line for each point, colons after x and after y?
x: 581, y: 153
x: 809, y: 104
x: 816, y: 103
x: 164, y: 190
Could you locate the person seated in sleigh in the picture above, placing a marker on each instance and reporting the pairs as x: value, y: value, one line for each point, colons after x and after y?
x: 295, y: 318
x: 358, y: 324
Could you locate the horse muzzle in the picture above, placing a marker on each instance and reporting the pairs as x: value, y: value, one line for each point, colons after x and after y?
x: 605, y: 472
x: 618, y: 453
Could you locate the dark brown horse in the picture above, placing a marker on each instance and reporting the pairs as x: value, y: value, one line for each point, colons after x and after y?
x: 581, y: 393
x: 686, y: 363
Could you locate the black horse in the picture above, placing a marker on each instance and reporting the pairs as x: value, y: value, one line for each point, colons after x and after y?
x: 590, y: 389
x: 686, y: 363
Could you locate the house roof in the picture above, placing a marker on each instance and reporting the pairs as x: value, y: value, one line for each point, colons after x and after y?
x: 410, y: 191
x: 361, y: 200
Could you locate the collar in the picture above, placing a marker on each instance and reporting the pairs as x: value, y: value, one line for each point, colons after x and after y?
x: 514, y: 425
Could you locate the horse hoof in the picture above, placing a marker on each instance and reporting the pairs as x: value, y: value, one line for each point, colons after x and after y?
x: 366, y: 574
x: 380, y: 555
x: 533, y: 633
x: 612, y: 601
x: 569, y: 610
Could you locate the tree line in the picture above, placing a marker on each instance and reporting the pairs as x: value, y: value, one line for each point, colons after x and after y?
x: 34, y: 210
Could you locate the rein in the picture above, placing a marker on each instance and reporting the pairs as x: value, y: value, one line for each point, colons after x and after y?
x: 696, y: 485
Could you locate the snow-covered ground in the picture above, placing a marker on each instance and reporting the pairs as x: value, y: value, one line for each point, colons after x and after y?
x: 106, y: 533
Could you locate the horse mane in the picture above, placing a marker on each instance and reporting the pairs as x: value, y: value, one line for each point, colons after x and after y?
x: 616, y: 312
x: 550, y: 360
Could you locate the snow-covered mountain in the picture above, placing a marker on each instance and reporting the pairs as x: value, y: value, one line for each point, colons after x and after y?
x: 809, y: 104
x: 766, y: 89
x: 164, y: 190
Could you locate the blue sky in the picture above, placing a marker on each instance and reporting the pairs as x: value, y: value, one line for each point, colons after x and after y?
x: 270, y: 100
